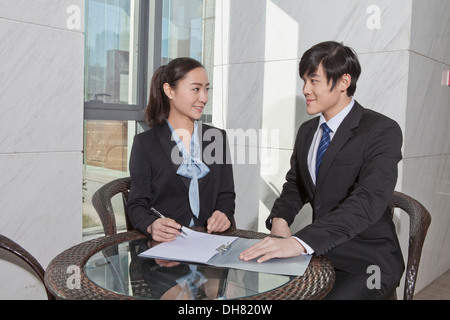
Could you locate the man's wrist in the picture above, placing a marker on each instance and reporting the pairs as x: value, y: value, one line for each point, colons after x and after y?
x: 306, y: 247
x: 280, y: 227
x: 299, y: 249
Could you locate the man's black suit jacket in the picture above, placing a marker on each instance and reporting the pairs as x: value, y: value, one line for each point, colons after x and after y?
x: 154, y: 162
x: 352, y: 224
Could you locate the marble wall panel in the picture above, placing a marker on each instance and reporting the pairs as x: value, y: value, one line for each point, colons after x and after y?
x: 430, y: 29
x: 19, y: 281
x: 41, y: 95
x: 427, y: 179
x: 246, y: 181
x: 271, y: 185
x: 240, y: 31
x: 41, y: 130
x: 246, y: 31
x: 428, y: 113
x: 284, y: 104
x: 285, y: 28
x: 41, y: 210
x: 245, y: 96
x: 41, y: 200
x: 383, y: 84
x: 61, y: 14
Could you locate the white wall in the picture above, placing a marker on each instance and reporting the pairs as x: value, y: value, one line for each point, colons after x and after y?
x: 402, y: 46
x: 41, y: 134
x: 426, y: 167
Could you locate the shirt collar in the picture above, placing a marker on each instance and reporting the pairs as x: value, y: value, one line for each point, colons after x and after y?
x: 336, y: 121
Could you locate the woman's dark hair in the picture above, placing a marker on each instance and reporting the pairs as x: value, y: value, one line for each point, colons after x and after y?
x: 336, y: 60
x: 158, y: 107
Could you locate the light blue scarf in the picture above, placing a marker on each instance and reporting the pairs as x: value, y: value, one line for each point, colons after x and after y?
x: 191, y: 167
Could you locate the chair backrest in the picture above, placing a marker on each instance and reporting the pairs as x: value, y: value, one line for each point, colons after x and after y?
x: 101, y: 200
x: 16, y: 249
x: 419, y: 221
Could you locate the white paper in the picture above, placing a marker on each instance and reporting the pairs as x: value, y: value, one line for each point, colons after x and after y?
x: 196, y: 247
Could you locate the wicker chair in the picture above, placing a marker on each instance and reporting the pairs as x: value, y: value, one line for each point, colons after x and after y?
x: 419, y: 221
x: 101, y: 200
x: 14, y: 248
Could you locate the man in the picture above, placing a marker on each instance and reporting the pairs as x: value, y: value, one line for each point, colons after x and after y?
x: 347, y: 171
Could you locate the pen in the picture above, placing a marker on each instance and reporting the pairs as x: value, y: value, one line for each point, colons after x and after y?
x: 163, y: 217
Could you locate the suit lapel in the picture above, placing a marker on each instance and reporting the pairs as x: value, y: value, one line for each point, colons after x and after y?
x: 343, y: 134
x: 304, y: 155
x: 171, y: 149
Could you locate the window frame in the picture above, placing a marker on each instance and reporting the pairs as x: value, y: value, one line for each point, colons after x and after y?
x: 150, y: 31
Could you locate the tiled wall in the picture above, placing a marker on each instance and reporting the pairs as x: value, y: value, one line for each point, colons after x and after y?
x: 426, y: 167
x: 41, y: 133
x: 403, y: 48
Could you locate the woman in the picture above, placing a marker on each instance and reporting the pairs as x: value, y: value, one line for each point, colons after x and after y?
x: 166, y: 166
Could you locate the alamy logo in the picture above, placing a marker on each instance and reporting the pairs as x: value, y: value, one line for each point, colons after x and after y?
x: 74, y: 280
x: 374, y: 280
x: 250, y: 147
x: 374, y: 20
x: 73, y: 22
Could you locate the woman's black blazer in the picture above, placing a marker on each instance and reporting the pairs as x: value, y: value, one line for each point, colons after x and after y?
x: 154, y: 162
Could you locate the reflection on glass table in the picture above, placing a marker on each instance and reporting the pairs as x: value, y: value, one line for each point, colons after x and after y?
x: 119, y: 269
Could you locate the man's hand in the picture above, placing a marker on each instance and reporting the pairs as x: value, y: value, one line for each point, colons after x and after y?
x: 270, y: 248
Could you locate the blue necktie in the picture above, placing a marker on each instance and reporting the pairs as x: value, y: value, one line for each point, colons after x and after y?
x: 324, y: 143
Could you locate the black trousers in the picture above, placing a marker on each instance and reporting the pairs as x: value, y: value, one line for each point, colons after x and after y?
x: 354, y: 287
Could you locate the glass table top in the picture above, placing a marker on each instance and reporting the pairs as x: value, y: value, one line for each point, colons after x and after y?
x: 118, y: 268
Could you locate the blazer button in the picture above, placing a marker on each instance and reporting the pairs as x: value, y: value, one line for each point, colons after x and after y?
x: 317, y: 208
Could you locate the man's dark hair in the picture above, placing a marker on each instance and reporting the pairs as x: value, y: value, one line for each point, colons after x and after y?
x: 336, y: 60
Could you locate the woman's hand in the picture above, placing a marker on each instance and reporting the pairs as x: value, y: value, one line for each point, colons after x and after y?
x: 218, y: 222
x: 270, y: 248
x: 164, y: 230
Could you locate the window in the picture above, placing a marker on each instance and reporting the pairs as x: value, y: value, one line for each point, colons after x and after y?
x: 115, y: 59
x: 125, y: 41
x: 182, y: 29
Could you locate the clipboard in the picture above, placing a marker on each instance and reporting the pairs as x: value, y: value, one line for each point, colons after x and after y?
x: 223, y: 251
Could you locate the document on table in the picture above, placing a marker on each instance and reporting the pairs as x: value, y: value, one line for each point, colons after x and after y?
x: 195, y: 247
x: 200, y: 247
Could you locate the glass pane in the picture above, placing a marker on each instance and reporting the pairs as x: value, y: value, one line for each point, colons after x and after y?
x: 111, y: 51
x: 182, y: 30
x: 188, y: 31
x: 107, y: 144
x: 106, y: 155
